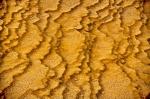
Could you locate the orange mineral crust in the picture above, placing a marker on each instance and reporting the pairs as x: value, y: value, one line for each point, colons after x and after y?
x: 74, y: 49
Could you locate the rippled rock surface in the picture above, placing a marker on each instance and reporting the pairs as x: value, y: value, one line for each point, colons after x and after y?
x: 74, y: 49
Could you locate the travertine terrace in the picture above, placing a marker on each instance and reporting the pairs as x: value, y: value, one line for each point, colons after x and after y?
x: 74, y: 49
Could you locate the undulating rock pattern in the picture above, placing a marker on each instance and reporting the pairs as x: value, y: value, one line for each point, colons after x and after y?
x: 74, y: 49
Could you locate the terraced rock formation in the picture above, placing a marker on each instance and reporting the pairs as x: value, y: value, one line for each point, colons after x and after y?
x: 74, y: 49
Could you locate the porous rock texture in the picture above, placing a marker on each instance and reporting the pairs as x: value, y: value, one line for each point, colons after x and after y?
x: 74, y: 49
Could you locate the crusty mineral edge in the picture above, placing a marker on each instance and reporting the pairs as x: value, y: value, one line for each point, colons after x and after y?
x: 74, y: 49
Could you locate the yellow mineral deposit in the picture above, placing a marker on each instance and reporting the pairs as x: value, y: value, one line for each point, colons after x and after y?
x: 74, y: 49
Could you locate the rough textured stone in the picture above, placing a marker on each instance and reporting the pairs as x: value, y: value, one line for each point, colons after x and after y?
x: 74, y: 49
